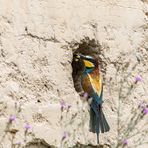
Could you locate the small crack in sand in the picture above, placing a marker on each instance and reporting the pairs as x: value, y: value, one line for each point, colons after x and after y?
x: 52, y: 39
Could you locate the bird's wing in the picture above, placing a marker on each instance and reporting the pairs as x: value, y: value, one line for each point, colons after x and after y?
x: 92, y: 84
x: 96, y: 83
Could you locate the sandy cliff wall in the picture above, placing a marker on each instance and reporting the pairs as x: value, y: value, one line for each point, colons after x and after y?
x: 35, y: 63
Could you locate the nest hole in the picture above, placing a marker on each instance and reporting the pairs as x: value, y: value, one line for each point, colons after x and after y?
x: 89, y: 47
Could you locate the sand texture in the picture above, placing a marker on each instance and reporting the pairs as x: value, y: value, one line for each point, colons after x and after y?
x: 37, y: 42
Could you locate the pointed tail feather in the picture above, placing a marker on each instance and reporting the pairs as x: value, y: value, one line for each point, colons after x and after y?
x: 92, y: 121
x: 104, y: 125
x: 98, y: 138
x: 98, y: 122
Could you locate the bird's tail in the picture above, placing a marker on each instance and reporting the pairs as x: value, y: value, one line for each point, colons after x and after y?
x: 98, y: 122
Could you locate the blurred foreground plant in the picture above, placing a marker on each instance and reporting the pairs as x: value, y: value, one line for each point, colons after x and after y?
x: 11, y: 132
x: 131, y: 116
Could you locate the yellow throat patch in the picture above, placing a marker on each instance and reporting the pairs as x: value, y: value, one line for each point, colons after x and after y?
x: 88, y: 64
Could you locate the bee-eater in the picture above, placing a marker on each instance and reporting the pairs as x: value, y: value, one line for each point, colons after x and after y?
x: 92, y: 84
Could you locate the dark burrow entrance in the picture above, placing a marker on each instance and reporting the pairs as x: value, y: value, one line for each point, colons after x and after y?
x: 89, y: 47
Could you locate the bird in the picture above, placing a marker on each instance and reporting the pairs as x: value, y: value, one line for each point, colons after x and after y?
x: 91, y: 82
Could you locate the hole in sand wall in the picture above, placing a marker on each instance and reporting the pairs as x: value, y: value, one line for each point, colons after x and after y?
x: 89, y: 47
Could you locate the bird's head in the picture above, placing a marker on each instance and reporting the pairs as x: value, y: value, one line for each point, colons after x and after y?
x: 89, y: 61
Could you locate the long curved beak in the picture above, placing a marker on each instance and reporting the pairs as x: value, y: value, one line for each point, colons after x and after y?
x: 80, y: 56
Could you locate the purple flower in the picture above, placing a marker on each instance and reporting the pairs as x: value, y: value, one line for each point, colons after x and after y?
x: 12, y: 118
x: 27, y: 126
x: 62, y: 104
x: 125, y: 142
x: 138, y: 78
x: 145, y: 111
x: 18, y: 143
x: 142, y: 105
x: 85, y: 95
x: 65, y: 135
